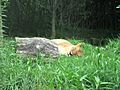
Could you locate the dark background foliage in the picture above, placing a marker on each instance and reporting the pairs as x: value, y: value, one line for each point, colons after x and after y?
x: 83, y: 19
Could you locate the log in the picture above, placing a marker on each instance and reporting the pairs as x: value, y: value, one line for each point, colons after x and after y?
x: 35, y: 46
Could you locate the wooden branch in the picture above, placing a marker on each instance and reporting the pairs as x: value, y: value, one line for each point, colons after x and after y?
x: 35, y: 46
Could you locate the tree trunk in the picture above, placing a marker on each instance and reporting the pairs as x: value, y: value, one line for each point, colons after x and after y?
x: 61, y: 15
x: 36, y: 46
x: 54, y: 20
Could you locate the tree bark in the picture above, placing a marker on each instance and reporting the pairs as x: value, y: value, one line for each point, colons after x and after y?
x: 54, y: 19
x: 36, y: 46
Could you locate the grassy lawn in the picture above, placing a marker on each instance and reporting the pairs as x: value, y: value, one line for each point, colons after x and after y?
x: 98, y: 69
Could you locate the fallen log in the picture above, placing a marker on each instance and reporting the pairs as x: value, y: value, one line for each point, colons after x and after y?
x: 35, y: 46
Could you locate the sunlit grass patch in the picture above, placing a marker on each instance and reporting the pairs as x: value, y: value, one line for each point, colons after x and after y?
x: 97, y: 69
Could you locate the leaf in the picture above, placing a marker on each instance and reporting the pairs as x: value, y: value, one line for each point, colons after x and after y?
x: 29, y: 68
x: 106, y: 83
x: 97, y: 79
x: 5, y: 27
x: 4, y: 15
x: 83, y: 77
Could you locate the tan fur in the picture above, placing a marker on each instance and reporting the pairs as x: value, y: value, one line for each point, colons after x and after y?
x: 66, y: 48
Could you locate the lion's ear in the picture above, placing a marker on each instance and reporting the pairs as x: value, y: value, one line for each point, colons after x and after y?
x: 78, y: 45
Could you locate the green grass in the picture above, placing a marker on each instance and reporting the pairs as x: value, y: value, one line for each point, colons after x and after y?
x: 98, y: 69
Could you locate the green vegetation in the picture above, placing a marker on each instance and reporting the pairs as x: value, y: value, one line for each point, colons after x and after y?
x: 48, y: 18
x: 98, y: 69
